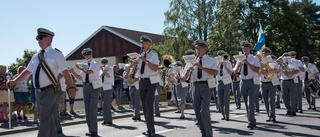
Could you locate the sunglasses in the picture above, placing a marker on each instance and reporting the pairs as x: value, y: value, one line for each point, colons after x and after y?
x: 40, y: 37
x: 86, y: 54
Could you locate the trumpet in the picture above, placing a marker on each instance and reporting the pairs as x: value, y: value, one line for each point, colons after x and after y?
x: 83, y: 65
x: 225, y: 57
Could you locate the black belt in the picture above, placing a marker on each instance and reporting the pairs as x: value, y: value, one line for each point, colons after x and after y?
x: 201, y: 82
x: 265, y: 82
x: 235, y: 81
x: 45, y: 88
x: 89, y: 84
x: 144, y: 78
x: 287, y: 79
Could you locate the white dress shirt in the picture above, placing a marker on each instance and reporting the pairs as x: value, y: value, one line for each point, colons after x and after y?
x: 54, y: 59
x: 292, y: 66
x: 312, y: 69
x: 153, y: 58
x: 108, y: 80
x: 207, y: 62
x: 95, y: 67
x: 224, y: 71
x: 255, y: 62
x: 300, y: 65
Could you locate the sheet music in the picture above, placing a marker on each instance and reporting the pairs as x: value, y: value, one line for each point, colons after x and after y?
x: 133, y: 55
x: 239, y: 57
x: 189, y: 58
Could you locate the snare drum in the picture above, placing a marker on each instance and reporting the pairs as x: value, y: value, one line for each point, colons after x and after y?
x: 314, y: 87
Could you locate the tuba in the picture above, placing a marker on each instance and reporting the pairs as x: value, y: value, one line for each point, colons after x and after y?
x: 264, y: 65
x: 167, y: 61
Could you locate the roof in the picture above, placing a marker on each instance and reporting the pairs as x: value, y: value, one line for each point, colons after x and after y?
x: 132, y: 36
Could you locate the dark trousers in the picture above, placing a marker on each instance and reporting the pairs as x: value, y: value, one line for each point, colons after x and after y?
x: 310, y: 99
x: 46, y: 102
x: 202, y: 96
x: 269, y: 94
x: 147, y: 91
x: 135, y: 96
x: 106, y: 96
x: 90, y: 97
x: 248, y: 92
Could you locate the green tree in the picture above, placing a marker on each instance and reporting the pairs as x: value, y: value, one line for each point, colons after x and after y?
x: 27, y: 55
x: 311, y: 13
x: 186, y: 21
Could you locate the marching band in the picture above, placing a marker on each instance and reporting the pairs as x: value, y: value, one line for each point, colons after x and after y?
x: 245, y: 77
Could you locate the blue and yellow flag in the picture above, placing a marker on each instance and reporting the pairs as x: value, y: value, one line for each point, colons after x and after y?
x: 261, y: 40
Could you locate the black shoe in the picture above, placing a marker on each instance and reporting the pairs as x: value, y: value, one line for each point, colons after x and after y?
x: 293, y: 114
x: 300, y: 111
x: 309, y: 108
x: 273, y: 120
x: 223, y: 118
x: 278, y: 106
x: 106, y: 123
x: 238, y: 107
x: 92, y: 134
x: 149, y: 134
x: 19, y: 118
x: 257, y: 110
x: 288, y: 113
x: 178, y: 111
x: 197, y: 123
x: 250, y: 126
x: 136, y: 118
x: 269, y: 120
x: 59, y: 132
x: 182, y: 117
x: 314, y: 108
x: 157, y: 115
x: 112, y: 108
x: 227, y: 119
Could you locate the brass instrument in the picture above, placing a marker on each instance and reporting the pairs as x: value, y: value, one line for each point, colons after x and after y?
x: 168, y: 60
x: 130, y: 71
x: 264, y: 65
x: 225, y: 57
x: 284, y: 64
x: 83, y: 66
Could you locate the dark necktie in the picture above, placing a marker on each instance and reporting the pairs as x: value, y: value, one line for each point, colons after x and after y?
x: 221, y: 70
x: 102, y: 78
x: 235, y: 77
x: 87, y: 75
x: 179, y: 77
x: 245, y: 68
x: 36, y: 78
x: 200, y: 70
x: 307, y: 76
x: 143, y: 64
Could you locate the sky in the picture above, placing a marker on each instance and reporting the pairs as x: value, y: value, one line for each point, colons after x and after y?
x: 72, y: 21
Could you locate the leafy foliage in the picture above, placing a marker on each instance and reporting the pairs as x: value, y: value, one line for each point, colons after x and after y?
x: 27, y: 55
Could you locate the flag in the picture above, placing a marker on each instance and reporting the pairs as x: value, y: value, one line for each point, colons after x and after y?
x: 261, y: 40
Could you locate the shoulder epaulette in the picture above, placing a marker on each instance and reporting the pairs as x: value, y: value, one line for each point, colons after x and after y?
x: 57, y: 50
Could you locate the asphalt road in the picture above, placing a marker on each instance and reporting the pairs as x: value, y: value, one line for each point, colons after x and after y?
x: 169, y: 125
